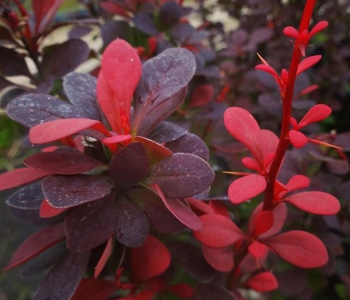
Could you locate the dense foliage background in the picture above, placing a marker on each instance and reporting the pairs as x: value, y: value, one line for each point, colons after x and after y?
x: 224, y: 37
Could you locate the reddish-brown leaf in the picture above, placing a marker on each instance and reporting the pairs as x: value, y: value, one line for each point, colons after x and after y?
x: 201, y: 95
x: 149, y: 260
x: 220, y: 259
x: 35, y: 244
x: 300, y: 248
x: 94, y: 289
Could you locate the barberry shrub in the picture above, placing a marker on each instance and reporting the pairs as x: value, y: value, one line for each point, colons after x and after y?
x: 130, y: 183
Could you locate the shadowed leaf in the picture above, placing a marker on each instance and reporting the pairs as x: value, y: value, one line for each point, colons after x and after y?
x: 104, y: 258
x: 12, y: 63
x: 28, y: 197
x: 94, y: 289
x: 220, y: 259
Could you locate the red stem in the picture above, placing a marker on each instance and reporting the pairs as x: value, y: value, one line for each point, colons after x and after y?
x: 287, y: 98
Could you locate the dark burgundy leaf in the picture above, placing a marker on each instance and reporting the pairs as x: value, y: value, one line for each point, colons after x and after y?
x: 19, y: 177
x: 63, y: 162
x: 6, y: 35
x: 149, y: 260
x: 202, y: 95
x: 68, y: 191
x: 35, y: 244
x: 78, y: 32
x: 191, y: 258
x: 260, y: 35
x: 190, y: 143
x: 29, y: 197
x: 81, y: 92
x: 45, y: 259
x: 182, y: 32
x: 166, y: 132
x: 162, y: 88
x: 170, y: 13
x: 181, y: 175
x: 112, y: 30
x: 220, y: 259
x: 3, y: 84
x: 12, y: 63
x: 91, y: 224
x: 211, y: 291
x: 160, y: 217
x: 145, y: 23
x: 292, y: 282
x: 94, y: 289
x: 155, y: 151
x: 64, y: 278
x: 132, y: 225
x: 129, y: 165
x: 60, y: 59
x: 33, y: 109
x: 28, y: 216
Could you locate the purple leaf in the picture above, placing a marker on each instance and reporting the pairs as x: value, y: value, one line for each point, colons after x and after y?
x: 28, y: 197
x: 181, y: 175
x: 162, y: 88
x: 245, y: 188
x: 180, y: 210
x: 64, y: 278
x: 63, y: 162
x: 68, y: 191
x: 81, y: 92
x: 12, y: 63
x: 319, y: 203
x: 114, y: 29
x: 129, y: 165
x: 60, y: 59
x: 190, y: 143
x: 170, y: 13
x: 91, y: 224
x: 33, y: 109
x: 166, y: 132
x: 132, y: 225
x: 144, y: 22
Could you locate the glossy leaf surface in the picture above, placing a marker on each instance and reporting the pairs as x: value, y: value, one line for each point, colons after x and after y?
x: 28, y: 197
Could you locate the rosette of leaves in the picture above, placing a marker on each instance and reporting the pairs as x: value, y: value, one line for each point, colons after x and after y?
x: 113, y: 175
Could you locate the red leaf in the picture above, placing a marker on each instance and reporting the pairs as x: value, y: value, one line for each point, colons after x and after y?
x: 262, y: 282
x: 182, y: 290
x: 218, y: 231
x: 58, y: 129
x: 300, y: 248
x: 219, y: 208
x: 19, y: 177
x: 35, y: 244
x: 298, y: 182
x: 245, y: 188
x: 201, y: 95
x: 220, y: 259
x: 308, y: 63
x: 319, y: 203
x: 257, y: 249
x: 316, y: 113
x: 149, y: 260
x: 48, y: 211
x: 180, y: 210
x: 94, y: 289
x: 103, y: 259
x: 121, y: 71
x: 297, y: 139
x: 263, y: 222
x: 44, y: 12
x: 200, y: 206
x: 243, y: 127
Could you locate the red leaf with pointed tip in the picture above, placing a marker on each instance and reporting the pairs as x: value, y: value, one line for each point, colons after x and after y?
x: 149, y: 260
x: 300, y: 248
x: 319, y: 203
x: 104, y: 258
x: 19, y: 177
x: 200, y: 206
x: 243, y: 127
x: 218, y: 231
x: 48, y: 211
x: 316, y: 113
x: 94, y: 289
x: 201, y: 95
x: 62, y: 162
x: 35, y: 244
x: 263, y: 222
x: 220, y: 259
x: 245, y: 188
x: 58, y: 129
x: 180, y: 210
x: 318, y: 27
x: 297, y: 139
x: 44, y: 12
x: 308, y: 63
x: 262, y: 282
x: 121, y: 71
x: 257, y: 249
